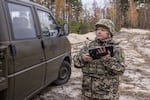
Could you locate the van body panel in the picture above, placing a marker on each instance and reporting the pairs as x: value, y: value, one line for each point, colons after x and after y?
x: 54, y: 55
x: 28, y: 78
x: 28, y: 82
x: 53, y: 66
x: 52, y: 60
x: 4, y: 37
x: 10, y: 91
x: 28, y: 53
x: 28, y: 74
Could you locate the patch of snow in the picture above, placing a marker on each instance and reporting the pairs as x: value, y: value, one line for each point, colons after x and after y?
x: 141, y: 31
x: 144, y: 51
x: 127, y: 97
x: 76, y: 38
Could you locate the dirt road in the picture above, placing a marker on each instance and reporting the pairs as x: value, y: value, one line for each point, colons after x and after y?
x: 135, y: 84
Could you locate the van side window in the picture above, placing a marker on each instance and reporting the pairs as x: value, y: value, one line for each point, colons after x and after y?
x: 22, y: 21
x: 48, y: 25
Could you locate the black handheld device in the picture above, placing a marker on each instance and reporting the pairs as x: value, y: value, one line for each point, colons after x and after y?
x: 95, y: 54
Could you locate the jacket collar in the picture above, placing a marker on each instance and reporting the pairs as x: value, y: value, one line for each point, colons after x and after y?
x: 109, y: 41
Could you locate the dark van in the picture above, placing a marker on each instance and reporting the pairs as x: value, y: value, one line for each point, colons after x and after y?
x: 34, y: 50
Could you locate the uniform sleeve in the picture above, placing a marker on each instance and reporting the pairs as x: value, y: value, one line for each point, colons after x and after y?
x: 78, y: 61
x: 116, y: 64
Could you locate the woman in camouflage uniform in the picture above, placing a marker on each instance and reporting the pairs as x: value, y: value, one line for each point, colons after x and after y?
x: 101, y: 76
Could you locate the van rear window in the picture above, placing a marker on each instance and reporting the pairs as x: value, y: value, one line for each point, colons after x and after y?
x: 22, y: 21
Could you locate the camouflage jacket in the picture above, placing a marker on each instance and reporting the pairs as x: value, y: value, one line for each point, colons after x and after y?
x: 101, y: 78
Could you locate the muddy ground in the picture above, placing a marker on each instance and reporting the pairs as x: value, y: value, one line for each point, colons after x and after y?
x: 135, y: 83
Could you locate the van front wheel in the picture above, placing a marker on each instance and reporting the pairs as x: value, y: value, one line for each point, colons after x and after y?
x: 64, y: 73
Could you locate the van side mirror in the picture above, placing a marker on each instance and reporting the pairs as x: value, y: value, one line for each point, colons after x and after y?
x: 66, y: 29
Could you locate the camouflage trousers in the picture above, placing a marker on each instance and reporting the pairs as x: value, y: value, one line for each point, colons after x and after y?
x: 101, y: 88
x: 88, y: 98
x: 85, y: 98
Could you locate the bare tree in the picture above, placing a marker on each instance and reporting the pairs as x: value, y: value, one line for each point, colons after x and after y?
x: 96, y: 11
x: 132, y: 14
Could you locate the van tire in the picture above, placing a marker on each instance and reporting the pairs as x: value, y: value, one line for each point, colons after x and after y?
x: 64, y: 73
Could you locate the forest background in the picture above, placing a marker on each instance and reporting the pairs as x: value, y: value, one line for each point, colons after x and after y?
x: 124, y: 13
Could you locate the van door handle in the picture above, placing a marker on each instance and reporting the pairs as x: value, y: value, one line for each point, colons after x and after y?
x: 42, y: 44
x: 12, y: 50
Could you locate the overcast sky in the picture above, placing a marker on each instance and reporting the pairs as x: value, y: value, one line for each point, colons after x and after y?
x: 88, y: 3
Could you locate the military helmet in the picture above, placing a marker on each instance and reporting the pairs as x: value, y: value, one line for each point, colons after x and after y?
x: 106, y: 23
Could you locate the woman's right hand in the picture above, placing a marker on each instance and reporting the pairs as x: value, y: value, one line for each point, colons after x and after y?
x: 87, y: 57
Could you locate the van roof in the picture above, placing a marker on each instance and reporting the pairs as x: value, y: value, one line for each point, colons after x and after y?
x: 32, y: 3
